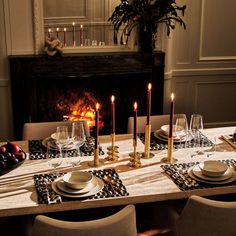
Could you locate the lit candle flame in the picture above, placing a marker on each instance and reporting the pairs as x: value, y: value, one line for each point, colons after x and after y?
x: 57, y: 29
x: 49, y: 30
x: 65, y: 29
x: 73, y: 23
x: 172, y: 96
x: 97, y: 106
x: 135, y: 106
x: 81, y: 26
x: 149, y: 86
x: 112, y: 98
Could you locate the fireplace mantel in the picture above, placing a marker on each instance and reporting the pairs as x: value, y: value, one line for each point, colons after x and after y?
x: 27, y: 71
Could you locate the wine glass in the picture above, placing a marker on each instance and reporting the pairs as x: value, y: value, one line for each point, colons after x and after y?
x: 181, y: 130
x: 54, y: 155
x: 62, y: 139
x: 78, y: 138
x: 196, y: 127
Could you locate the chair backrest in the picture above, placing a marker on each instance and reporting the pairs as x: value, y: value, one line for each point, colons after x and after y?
x: 202, y: 216
x: 156, y: 122
x: 122, y: 223
x: 41, y: 130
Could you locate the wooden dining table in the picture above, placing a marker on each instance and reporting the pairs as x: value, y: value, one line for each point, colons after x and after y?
x: 148, y: 183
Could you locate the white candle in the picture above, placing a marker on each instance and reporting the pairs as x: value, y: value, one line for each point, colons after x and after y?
x: 81, y: 35
x: 73, y: 25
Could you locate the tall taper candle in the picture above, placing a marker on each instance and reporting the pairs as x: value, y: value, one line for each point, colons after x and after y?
x: 135, y: 122
x: 149, y: 103
x: 64, y: 36
x: 171, y: 115
x: 73, y: 25
x: 81, y: 35
x: 49, y: 33
x: 112, y: 114
x: 96, y: 125
x: 57, y: 29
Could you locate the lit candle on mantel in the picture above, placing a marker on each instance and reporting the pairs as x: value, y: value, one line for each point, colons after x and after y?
x: 81, y: 35
x: 49, y: 33
x: 171, y: 115
x: 57, y: 29
x: 96, y: 125
x: 73, y: 25
x: 135, y: 123
x: 64, y: 36
x: 112, y: 114
x: 149, y: 103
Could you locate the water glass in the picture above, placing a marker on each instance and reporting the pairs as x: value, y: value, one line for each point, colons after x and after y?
x: 181, y: 130
x: 53, y: 155
x: 62, y: 138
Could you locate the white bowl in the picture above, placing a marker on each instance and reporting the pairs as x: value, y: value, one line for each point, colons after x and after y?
x: 165, y: 129
x: 77, y: 179
x: 213, y: 168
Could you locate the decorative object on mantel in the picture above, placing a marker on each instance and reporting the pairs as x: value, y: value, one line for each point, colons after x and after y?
x: 53, y: 46
x: 145, y: 15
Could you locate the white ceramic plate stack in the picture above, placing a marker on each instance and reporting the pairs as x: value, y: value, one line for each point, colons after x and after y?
x: 212, y: 172
x: 77, y: 184
x: 163, y: 133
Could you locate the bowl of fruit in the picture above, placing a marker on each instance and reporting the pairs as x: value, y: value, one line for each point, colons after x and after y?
x: 11, y: 156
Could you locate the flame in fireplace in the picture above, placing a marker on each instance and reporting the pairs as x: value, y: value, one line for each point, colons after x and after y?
x: 80, y: 108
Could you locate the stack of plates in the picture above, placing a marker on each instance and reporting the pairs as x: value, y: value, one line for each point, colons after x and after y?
x: 45, y: 141
x: 163, y: 133
x: 94, y: 186
x: 198, y: 173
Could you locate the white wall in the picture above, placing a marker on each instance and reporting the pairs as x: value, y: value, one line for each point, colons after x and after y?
x: 200, y: 62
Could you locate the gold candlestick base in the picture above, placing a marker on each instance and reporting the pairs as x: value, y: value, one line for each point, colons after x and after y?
x: 135, y: 158
x: 95, y: 162
x: 113, y: 153
x: 170, y: 158
x: 147, y: 154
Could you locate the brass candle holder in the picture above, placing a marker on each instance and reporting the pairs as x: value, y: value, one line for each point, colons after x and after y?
x: 113, y: 153
x: 147, y: 154
x: 95, y: 162
x: 135, y: 157
x: 170, y: 159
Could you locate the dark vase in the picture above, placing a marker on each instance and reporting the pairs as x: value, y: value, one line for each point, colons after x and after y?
x: 146, y: 39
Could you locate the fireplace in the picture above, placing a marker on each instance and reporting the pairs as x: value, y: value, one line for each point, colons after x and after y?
x: 55, y: 88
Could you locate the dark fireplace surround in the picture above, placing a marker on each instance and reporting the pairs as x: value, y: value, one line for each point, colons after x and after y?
x: 38, y: 81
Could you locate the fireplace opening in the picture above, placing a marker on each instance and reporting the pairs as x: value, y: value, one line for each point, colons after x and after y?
x: 76, y: 98
x: 68, y: 86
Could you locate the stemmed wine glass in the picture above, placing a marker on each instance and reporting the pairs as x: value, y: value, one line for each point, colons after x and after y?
x: 181, y: 129
x: 196, y: 127
x: 62, y: 138
x: 78, y: 138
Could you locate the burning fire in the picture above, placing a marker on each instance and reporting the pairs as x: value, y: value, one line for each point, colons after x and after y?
x: 82, y: 108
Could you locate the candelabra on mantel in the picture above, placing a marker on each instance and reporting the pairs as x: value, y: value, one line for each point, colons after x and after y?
x: 113, y: 153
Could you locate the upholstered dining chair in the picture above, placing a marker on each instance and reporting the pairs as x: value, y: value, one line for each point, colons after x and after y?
x: 156, y: 122
x: 122, y: 223
x: 202, y: 216
x: 41, y: 130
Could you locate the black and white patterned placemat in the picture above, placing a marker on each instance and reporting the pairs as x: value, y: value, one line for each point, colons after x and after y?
x: 38, y: 151
x: 47, y: 196
x: 179, y: 174
x: 157, y: 144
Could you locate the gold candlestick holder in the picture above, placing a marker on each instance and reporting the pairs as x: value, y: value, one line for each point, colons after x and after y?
x: 147, y: 154
x: 135, y: 157
x: 170, y: 159
x: 95, y: 162
x: 113, y: 153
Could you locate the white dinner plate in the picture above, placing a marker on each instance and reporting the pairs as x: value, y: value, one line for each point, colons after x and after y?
x: 46, y: 140
x: 62, y: 186
x: 192, y: 175
x: 93, y: 191
x: 197, y: 171
x: 159, y: 134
